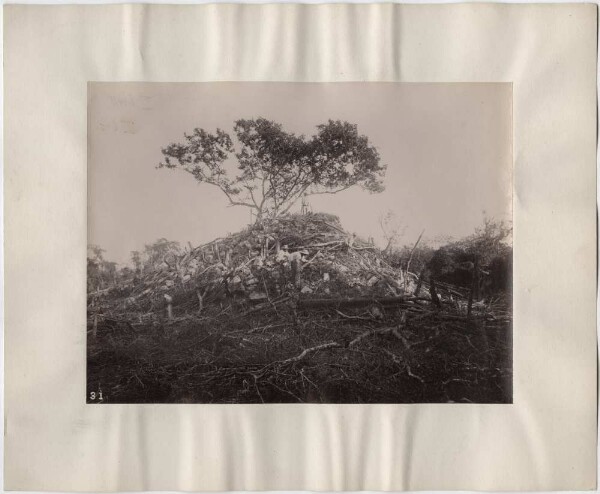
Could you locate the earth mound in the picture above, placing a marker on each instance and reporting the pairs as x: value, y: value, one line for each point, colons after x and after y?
x: 299, y: 256
x: 294, y: 309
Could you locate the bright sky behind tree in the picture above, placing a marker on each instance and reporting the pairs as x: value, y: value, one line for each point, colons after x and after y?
x: 448, y: 148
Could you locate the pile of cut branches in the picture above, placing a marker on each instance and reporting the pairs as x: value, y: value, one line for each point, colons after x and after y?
x: 295, y: 309
x: 400, y: 354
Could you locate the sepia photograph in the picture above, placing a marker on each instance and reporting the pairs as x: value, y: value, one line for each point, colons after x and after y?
x: 253, y: 243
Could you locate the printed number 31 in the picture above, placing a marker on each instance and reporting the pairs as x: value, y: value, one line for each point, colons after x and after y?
x: 93, y: 395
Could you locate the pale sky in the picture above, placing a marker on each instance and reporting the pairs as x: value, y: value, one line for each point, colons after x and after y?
x: 448, y: 148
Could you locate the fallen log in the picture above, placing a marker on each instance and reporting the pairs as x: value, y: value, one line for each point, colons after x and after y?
x: 317, y: 303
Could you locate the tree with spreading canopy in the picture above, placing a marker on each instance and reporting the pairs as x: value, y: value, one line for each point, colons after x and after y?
x: 276, y: 168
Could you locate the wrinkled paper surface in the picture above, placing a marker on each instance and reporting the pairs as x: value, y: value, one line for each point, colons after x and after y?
x: 546, y: 440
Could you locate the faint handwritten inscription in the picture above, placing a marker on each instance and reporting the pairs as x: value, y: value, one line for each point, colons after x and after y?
x: 132, y: 101
x: 122, y: 126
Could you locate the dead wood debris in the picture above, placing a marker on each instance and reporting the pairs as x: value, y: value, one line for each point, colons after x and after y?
x: 346, y: 328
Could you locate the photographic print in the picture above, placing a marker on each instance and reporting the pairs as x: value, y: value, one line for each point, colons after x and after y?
x: 299, y: 243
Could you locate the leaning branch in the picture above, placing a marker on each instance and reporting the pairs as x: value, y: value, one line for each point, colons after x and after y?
x: 410, y: 259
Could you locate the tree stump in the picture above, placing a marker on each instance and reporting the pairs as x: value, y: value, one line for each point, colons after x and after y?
x: 169, y: 301
x: 434, y: 296
x: 419, y: 283
x: 295, y: 272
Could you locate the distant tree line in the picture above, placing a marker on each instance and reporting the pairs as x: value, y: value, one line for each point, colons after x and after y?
x: 103, y: 273
x: 490, y: 246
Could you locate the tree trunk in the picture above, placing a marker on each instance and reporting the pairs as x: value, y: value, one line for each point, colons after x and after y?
x: 200, y: 301
x: 474, y: 287
x: 388, y: 247
x: 434, y: 296
x: 169, y: 301
x: 419, y: 283
x: 295, y: 272
x: 476, y: 293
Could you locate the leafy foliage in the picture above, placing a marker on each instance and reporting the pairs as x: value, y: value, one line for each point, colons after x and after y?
x: 488, y: 246
x: 453, y: 262
x: 100, y: 271
x: 160, y: 251
x: 487, y: 243
x: 276, y: 168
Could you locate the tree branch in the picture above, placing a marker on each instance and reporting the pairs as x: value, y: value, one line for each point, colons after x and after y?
x: 330, y: 191
x: 295, y: 199
x: 228, y: 195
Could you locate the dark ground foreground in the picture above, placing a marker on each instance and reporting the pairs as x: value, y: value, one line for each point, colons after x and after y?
x: 280, y: 353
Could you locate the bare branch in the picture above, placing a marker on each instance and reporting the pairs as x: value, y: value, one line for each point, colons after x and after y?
x: 330, y: 191
x: 305, y: 352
